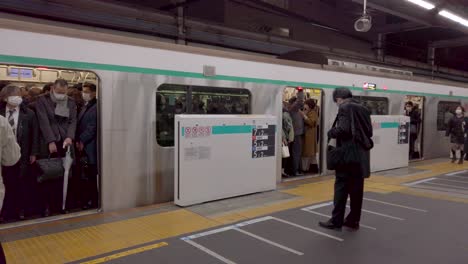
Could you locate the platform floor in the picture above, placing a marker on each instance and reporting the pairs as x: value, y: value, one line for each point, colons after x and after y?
x: 412, y: 215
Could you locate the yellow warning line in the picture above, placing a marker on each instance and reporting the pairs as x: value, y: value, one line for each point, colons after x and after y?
x: 126, y: 253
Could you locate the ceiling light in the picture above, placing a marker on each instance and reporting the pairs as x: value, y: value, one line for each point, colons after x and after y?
x: 422, y: 3
x: 454, y: 17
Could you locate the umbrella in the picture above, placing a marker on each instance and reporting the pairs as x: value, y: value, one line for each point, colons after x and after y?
x: 67, y: 163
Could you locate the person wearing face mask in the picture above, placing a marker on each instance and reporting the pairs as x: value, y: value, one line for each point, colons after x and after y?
x: 353, y: 132
x: 56, y: 113
x: 309, y: 149
x: 86, y: 138
x: 415, y: 121
x: 18, y: 183
x: 456, y: 131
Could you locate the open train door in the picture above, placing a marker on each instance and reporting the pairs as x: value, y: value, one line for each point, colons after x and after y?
x: 309, y: 156
x: 414, y: 107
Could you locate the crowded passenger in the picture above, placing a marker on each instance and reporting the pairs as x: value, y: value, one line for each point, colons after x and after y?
x: 17, y: 178
x: 56, y: 114
x: 456, y: 131
x: 32, y: 95
x: 287, y: 136
x: 46, y: 89
x: 295, y: 106
x: 86, y: 142
x: 310, y: 116
x: 415, y: 121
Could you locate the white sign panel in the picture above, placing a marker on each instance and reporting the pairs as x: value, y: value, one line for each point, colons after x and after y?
x: 220, y: 156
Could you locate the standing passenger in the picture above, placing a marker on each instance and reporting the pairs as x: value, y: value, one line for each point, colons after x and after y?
x: 16, y: 178
x: 456, y: 131
x: 353, y: 128
x: 9, y: 156
x: 310, y: 140
x: 87, y: 141
x: 287, y: 136
x: 295, y: 106
x: 415, y: 121
x: 56, y: 114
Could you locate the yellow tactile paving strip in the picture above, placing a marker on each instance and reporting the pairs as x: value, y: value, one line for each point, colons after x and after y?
x: 95, y: 240
x: 101, y: 239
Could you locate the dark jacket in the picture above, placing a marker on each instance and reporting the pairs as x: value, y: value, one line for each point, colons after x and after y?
x: 55, y: 128
x: 352, y: 111
x: 27, y: 135
x: 415, y: 121
x: 87, y: 130
x: 455, y: 129
x: 297, y: 118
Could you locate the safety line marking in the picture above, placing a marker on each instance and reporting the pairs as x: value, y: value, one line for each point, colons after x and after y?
x: 447, y: 185
x: 313, y: 207
x: 328, y: 216
x: 254, y: 221
x: 269, y: 242
x: 207, y: 233
x: 308, y: 229
x: 444, y: 179
x: 458, y: 177
x: 210, y: 252
x: 457, y: 172
x: 126, y: 253
x: 380, y: 214
x: 396, y: 205
x: 418, y: 182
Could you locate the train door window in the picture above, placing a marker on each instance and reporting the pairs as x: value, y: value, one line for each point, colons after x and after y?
x: 414, y: 108
x: 183, y: 99
x: 445, y: 111
x: 307, y: 154
x: 377, y: 105
x: 41, y: 196
x: 216, y: 100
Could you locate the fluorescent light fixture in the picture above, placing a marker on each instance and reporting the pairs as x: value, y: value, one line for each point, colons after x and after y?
x: 422, y: 3
x: 454, y: 17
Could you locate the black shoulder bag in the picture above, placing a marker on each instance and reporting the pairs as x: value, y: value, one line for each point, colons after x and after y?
x: 346, y: 154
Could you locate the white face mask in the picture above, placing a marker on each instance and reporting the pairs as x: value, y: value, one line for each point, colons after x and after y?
x: 59, y: 97
x: 86, y: 97
x: 458, y: 111
x: 14, y: 100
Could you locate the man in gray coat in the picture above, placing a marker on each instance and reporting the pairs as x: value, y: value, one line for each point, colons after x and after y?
x: 56, y: 113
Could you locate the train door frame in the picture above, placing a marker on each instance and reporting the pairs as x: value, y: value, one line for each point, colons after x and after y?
x: 320, y: 105
x: 421, y: 130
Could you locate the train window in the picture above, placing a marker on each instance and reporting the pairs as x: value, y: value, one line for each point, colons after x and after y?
x: 377, y: 105
x: 183, y: 99
x: 170, y: 100
x: 445, y: 111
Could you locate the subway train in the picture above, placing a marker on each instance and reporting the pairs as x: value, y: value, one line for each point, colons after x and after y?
x: 143, y: 83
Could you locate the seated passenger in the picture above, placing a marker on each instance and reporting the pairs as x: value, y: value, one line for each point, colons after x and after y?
x: 17, y: 178
x: 56, y: 114
x: 310, y: 139
x: 86, y: 141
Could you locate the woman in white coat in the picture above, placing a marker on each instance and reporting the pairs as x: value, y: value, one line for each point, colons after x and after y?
x: 9, y: 155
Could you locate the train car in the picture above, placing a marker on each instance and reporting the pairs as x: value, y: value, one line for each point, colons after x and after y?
x: 143, y: 83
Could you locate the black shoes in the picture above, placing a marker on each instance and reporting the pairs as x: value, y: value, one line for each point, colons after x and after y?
x: 329, y: 225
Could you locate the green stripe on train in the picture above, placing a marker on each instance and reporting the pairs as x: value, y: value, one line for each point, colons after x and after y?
x: 121, y: 68
x: 222, y: 130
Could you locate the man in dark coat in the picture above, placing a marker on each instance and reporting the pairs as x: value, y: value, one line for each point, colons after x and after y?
x: 86, y: 138
x: 56, y: 114
x: 17, y: 178
x: 353, y: 126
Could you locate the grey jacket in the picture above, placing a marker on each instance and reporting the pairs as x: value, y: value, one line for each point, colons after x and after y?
x: 55, y: 128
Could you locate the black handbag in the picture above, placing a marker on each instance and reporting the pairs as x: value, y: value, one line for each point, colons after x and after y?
x: 346, y: 154
x: 50, y: 169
